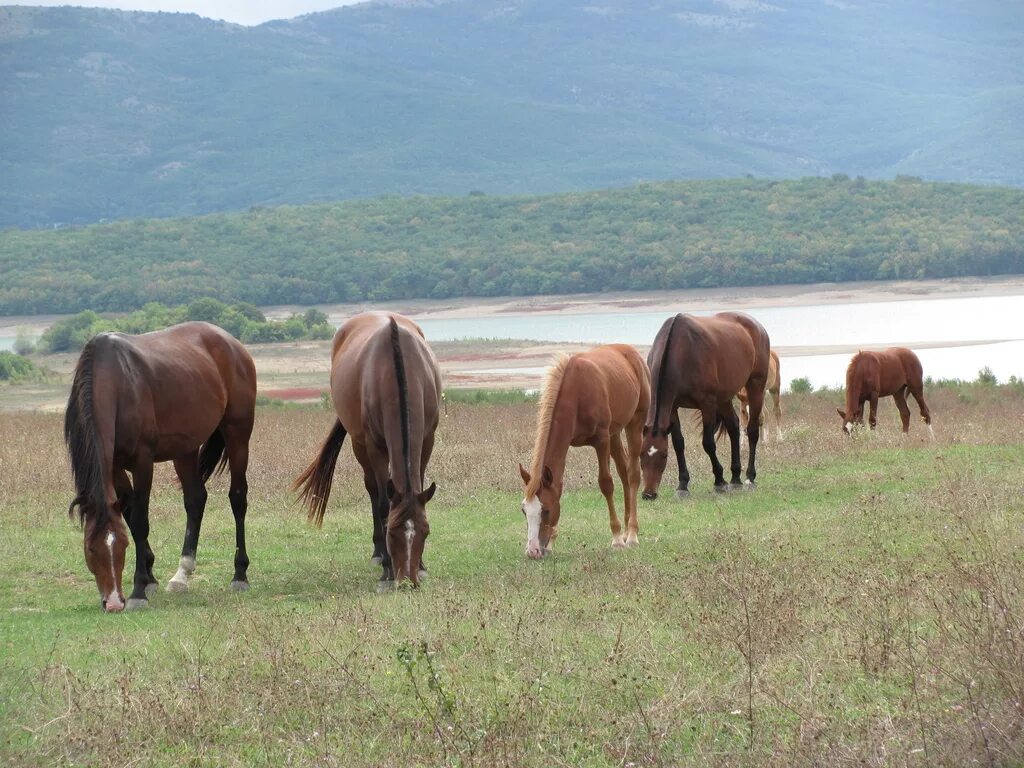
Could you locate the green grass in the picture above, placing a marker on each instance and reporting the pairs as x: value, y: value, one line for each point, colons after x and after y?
x: 829, y: 616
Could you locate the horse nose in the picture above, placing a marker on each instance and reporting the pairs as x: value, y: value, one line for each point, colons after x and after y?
x: 650, y: 495
x: 113, y: 604
x: 534, y: 553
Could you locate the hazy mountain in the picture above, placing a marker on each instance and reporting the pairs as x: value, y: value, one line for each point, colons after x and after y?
x: 108, y: 114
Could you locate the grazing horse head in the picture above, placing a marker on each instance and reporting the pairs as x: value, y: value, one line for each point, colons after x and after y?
x: 856, y: 416
x: 407, y: 531
x: 105, y: 544
x: 541, y: 508
x: 653, y: 459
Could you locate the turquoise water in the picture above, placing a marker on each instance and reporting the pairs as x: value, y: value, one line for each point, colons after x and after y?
x: 999, y: 321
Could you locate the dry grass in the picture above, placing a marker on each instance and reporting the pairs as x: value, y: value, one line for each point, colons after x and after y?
x: 863, y: 607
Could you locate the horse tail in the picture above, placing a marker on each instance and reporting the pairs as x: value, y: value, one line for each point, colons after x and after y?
x: 720, y: 428
x: 314, y: 484
x: 85, y: 449
x: 658, y: 385
x: 403, y: 402
x: 212, y: 456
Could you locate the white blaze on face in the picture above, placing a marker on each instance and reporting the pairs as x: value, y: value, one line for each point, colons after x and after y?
x: 651, y: 451
x: 410, y: 531
x: 848, y: 426
x: 113, y: 571
x: 531, y: 508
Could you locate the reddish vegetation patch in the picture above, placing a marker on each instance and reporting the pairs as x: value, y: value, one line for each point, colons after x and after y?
x: 294, y: 393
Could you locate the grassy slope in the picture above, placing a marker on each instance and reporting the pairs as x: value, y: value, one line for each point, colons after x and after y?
x: 831, y: 579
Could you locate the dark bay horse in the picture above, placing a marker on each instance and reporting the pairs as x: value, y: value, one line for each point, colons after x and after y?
x: 589, y: 399
x: 386, y: 389
x: 702, y: 362
x: 773, y: 387
x: 892, y: 372
x: 186, y: 394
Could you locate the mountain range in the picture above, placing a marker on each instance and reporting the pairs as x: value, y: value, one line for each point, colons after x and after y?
x: 109, y: 114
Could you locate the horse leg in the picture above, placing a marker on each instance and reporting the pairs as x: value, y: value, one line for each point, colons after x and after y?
x: 756, y: 395
x: 682, y: 490
x: 709, y: 425
x: 634, y: 439
x: 607, y: 485
x: 873, y: 403
x: 425, y: 453
x: 900, y: 396
x: 236, y: 443
x: 194, y: 492
x: 140, y: 535
x: 777, y: 410
x: 142, y: 477
x: 918, y: 393
x: 374, y: 490
x: 622, y: 468
x: 377, y: 465
x: 732, y: 426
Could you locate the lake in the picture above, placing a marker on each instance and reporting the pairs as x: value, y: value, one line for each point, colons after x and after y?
x: 965, y: 334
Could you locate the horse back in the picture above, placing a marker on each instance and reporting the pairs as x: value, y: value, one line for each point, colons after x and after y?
x: 727, y: 352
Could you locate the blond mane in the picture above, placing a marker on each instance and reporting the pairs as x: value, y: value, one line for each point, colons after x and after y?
x: 545, y: 413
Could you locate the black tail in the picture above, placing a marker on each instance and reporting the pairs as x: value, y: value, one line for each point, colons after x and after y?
x: 314, y: 485
x: 212, y: 457
x: 83, y: 443
x: 403, y: 401
x: 720, y: 429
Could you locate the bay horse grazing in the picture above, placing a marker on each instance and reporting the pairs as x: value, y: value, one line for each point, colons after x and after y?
x: 186, y: 394
x: 702, y: 362
x: 589, y: 399
x: 386, y: 389
x: 773, y: 388
x: 871, y: 375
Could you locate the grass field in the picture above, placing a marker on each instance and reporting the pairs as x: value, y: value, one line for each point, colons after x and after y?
x: 862, y: 607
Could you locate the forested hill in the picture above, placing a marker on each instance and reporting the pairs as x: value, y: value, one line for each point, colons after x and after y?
x: 110, y: 114
x: 652, y: 236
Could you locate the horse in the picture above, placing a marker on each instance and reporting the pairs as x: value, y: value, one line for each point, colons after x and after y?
x: 773, y: 387
x: 186, y: 394
x: 891, y: 372
x: 589, y: 399
x: 386, y: 389
x: 702, y: 362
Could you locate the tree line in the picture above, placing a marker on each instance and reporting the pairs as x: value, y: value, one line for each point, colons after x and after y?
x: 686, y: 234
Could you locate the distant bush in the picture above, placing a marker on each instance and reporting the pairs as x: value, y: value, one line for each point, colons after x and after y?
x: 801, y: 385
x: 15, y: 367
x: 243, y: 321
x: 489, y: 396
x: 986, y: 377
x: 24, y: 344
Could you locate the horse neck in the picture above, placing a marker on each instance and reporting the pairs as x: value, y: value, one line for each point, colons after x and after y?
x: 560, y: 430
x: 854, y: 382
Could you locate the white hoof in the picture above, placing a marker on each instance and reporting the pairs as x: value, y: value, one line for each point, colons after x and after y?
x: 385, y: 586
x: 177, y: 586
x: 632, y: 540
x: 421, y: 575
x: 136, y: 604
x: 151, y: 589
x: 618, y: 543
x: 376, y: 559
x: 240, y: 586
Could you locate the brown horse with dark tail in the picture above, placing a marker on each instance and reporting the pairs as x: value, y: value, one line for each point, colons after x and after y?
x: 589, y: 399
x: 386, y: 389
x: 186, y: 394
x: 702, y: 362
x: 892, y: 372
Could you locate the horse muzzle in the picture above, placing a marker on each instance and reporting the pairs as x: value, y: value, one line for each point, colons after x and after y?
x: 649, y: 495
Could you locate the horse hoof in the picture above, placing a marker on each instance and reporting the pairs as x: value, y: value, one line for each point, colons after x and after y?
x: 385, y: 585
x: 151, y: 588
x: 177, y: 586
x: 682, y: 493
x: 377, y: 559
x: 632, y: 541
x: 618, y: 543
x: 240, y: 586
x: 136, y: 604
x: 723, y: 488
x: 421, y: 574
x: 749, y: 485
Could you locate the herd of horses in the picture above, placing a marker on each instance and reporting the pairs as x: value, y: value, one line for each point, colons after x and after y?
x: 187, y: 395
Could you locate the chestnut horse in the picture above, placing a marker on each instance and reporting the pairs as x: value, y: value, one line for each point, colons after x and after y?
x: 773, y: 388
x: 589, y: 399
x: 871, y: 375
x: 386, y: 389
x: 186, y: 394
x: 702, y: 362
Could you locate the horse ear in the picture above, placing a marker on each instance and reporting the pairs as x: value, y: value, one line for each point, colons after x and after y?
x: 547, y: 478
x: 393, y: 495
x: 428, y: 494
x: 841, y: 413
x: 524, y: 474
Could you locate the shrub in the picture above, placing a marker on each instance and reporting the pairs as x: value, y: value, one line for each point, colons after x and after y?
x: 800, y: 386
x: 15, y: 367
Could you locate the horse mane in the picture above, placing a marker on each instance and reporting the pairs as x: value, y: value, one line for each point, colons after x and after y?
x: 545, y: 414
x: 403, y: 402
x: 661, y: 370
x: 853, y: 382
x: 83, y: 445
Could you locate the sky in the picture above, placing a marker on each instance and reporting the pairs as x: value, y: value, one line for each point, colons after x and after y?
x: 247, y: 12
